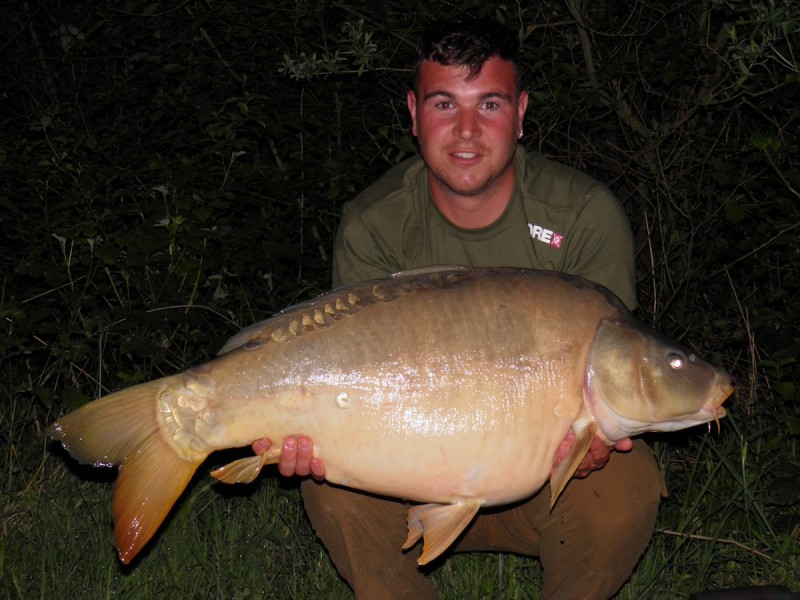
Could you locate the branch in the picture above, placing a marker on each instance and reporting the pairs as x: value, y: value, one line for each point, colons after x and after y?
x: 754, y: 250
x: 586, y: 44
x: 705, y: 538
x: 616, y: 102
x: 47, y: 74
x: 238, y: 78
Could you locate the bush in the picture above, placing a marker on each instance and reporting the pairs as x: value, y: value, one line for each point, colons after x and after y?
x: 172, y: 174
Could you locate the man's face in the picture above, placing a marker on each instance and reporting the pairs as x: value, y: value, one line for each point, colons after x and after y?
x: 467, y: 129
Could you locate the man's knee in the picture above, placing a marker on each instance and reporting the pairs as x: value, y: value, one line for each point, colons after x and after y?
x: 595, y: 538
x: 633, y: 486
x: 363, y: 535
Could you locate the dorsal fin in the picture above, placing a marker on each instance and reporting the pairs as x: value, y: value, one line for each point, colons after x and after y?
x: 323, y: 311
x: 428, y: 270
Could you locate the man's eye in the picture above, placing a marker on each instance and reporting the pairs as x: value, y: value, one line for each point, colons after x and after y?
x: 490, y: 106
x: 444, y: 105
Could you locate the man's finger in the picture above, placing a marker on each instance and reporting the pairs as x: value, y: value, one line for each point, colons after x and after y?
x: 288, y: 461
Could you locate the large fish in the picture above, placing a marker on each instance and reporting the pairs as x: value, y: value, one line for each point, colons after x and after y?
x: 419, y: 386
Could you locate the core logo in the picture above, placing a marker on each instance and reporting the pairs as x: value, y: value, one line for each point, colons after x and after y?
x: 545, y: 235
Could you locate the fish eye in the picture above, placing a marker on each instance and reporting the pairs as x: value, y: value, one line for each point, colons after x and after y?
x: 676, y: 361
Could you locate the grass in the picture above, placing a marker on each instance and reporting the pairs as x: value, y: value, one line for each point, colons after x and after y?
x: 254, y: 541
x: 721, y: 525
x: 718, y: 528
x: 129, y: 254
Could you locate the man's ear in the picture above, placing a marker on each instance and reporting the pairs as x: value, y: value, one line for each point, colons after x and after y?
x: 411, y: 103
x: 522, y: 107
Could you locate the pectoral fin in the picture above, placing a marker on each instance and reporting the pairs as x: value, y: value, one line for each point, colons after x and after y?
x: 584, y: 434
x: 441, y: 524
x: 246, y: 469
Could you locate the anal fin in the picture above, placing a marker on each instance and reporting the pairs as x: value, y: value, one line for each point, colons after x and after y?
x: 246, y: 469
x: 441, y: 524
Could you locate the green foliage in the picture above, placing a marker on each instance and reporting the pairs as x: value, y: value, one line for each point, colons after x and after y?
x: 170, y: 174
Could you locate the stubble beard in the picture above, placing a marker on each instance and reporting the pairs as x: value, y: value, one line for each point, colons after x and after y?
x: 476, y: 188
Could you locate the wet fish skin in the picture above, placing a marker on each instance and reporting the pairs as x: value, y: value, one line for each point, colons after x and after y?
x: 419, y: 386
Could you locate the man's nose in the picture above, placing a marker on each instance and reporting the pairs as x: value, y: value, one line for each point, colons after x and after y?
x: 467, y: 125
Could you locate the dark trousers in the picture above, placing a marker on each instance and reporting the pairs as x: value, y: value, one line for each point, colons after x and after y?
x: 588, y: 545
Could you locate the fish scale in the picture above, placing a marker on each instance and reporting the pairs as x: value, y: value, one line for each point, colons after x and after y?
x: 423, y: 385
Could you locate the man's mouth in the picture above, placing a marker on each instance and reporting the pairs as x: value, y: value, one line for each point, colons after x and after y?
x: 465, y: 155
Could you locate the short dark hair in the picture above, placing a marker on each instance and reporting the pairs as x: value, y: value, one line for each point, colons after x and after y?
x: 467, y: 42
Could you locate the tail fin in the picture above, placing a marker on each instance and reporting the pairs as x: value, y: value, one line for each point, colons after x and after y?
x: 122, y: 429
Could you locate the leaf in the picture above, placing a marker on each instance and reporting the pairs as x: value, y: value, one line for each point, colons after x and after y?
x: 765, y: 142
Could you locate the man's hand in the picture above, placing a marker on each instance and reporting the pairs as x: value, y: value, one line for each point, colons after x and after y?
x: 296, y: 457
x: 597, y: 456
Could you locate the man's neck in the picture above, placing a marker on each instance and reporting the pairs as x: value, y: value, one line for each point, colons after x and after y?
x: 475, y: 211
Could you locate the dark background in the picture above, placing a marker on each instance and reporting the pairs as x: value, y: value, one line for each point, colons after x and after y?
x: 172, y: 172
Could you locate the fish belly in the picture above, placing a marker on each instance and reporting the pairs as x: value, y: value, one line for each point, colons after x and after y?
x: 469, y: 396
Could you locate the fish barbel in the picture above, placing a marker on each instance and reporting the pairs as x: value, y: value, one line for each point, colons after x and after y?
x: 420, y: 386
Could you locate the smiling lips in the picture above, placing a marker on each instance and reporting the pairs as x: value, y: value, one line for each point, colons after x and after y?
x: 467, y: 155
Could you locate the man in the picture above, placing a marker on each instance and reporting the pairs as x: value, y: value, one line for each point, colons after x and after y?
x: 473, y: 197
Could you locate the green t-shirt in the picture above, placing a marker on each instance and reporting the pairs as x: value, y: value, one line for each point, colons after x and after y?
x: 557, y: 219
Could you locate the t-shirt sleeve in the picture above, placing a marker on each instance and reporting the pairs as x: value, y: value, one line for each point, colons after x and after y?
x: 602, y: 249
x: 357, y: 255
